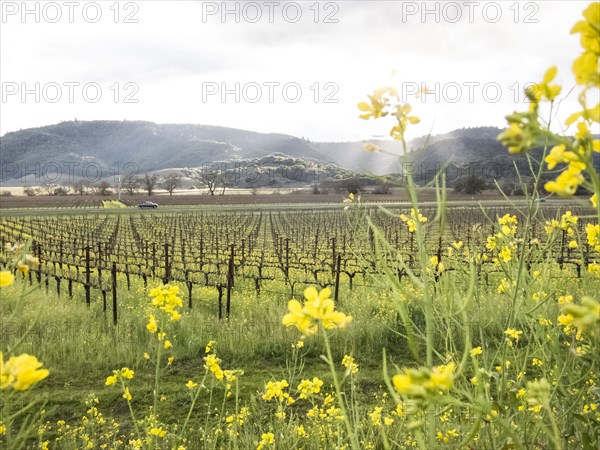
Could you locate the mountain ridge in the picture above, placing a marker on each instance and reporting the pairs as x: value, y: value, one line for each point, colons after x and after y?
x: 153, y: 147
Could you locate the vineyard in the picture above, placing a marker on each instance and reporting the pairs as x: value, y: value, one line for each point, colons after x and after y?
x: 233, y: 272
x: 216, y: 250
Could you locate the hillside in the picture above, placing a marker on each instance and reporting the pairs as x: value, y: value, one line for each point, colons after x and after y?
x: 151, y: 146
x: 148, y: 146
x: 471, y: 151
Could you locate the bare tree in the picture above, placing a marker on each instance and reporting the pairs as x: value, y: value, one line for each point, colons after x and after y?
x: 211, y: 179
x: 471, y: 185
x: 211, y: 183
x: 131, y: 183
x: 31, y: 191
x: 103, y: 188
x: 49, y: 188
x: 224, y: 185
x: 171, y: 182
x: 62, y: 190
x: 149, y: 182
x: 82, y: 187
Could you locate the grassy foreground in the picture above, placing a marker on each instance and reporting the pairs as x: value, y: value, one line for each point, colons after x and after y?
x: 522, y: 383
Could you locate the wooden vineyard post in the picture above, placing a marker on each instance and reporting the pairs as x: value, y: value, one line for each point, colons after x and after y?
x: 167, y: 267
x: 562, y: 249
x: 287, y: 258
x: 99, y: 264
x: 229, y: 282
x: 337, y: 277
x: 113, y: 274
x: 333, y: 254
x: 190, y: 287
x: 38, y: 248
x: 153, y: 258
x: 220, y: 289
x: 127, y: 277
x: 61, y: 254
x: 88, y: 299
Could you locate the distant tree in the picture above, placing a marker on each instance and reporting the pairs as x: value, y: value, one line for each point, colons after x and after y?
x: 470, y: 185
x: 352, y: 186
x: 84, y: 187
x: 383, y: 189
x: 31, y: 191
x: 103, y: 188
x: 171, y: 182
x: 61, y: 190
x: 225, y: 185
x: 131, y: 183
x: 49, y: 188
x: 149, y: 182
x: 79, y: 187
x: 210, y: 179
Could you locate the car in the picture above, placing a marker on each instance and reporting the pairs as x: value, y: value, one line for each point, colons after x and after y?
x: 147, y: 205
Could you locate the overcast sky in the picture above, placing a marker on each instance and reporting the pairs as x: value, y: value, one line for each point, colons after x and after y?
x: 301, y: 67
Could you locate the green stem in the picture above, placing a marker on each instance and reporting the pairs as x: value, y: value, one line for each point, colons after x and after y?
x: 555, y: 436
x: 137, y: 430
x: 427, y: 298
x: 192, y: 405
x: 338, y: 390
x: 157, y: 372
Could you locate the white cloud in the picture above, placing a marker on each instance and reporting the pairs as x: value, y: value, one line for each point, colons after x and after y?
x: 171, y: 52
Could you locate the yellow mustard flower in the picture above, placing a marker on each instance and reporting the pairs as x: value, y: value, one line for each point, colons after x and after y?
x: 307, y: 387
x: 276, y: 389
x: 6, y: 278
x: 152, y: 327
x: 476, y: 351
x: 266, y: 439
x: 21, y: 372
x: 158, y: 432
x: 23, y: 268
x: 585, y: 67
x: 318, y: 309
x: 415, y: 216
x: 378, y: 102
x: 350, y: 365
x: 542, y: 90
x: 423, y: 382
x: 127, y: 373
x: 512, y: 333
x: 558, y: 155
x: 566, y: 183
